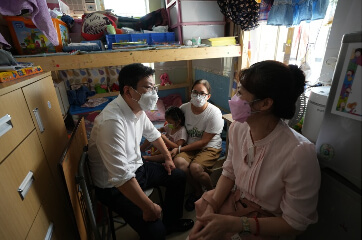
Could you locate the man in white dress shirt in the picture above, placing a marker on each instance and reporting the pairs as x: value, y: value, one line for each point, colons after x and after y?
x: 116, y: 165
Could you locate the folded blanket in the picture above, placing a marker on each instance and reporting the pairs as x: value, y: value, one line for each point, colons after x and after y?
x: 39, y: 15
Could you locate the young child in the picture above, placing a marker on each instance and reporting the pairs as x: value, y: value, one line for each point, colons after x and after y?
x: 175, y: 133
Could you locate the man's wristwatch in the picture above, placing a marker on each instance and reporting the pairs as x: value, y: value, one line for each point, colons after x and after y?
x: 246, y: 226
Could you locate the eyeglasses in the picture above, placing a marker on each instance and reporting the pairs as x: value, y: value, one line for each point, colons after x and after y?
x: 149, y: 88
x: 195, y: 93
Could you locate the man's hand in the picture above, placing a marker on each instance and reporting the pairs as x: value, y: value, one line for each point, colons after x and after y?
x: 163, y: 136
x: 169, y: 166
x: 152, y: 213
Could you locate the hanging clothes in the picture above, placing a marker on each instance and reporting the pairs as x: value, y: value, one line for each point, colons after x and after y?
x: 281, y: 13
x: 244, y: 13
x: 319, y: 9
x: 292, y: 12
x: 265, y: 7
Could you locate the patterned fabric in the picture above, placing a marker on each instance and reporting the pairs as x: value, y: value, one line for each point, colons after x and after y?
x: 91, y: 76
x: 265, y: 7
x: 244, y: 13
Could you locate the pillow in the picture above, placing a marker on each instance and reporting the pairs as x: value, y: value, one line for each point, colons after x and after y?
x: 94, y: 25
x: 159, y: 114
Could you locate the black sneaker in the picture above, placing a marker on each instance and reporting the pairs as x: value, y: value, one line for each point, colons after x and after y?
x: 180, y: 225
x: 190, y: 202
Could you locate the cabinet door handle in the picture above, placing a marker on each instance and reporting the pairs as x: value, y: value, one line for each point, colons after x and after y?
x: 5, y: 124
x: 25, y: 185
x: 38, y: 120
x: 49, y: 232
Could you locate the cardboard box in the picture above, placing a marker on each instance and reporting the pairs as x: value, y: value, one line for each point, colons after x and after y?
x: 30, y: 40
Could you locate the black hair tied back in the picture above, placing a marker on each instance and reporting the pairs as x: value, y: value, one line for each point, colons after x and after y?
x: 299, y: 80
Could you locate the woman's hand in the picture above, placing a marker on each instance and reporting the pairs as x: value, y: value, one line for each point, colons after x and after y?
x: 212, y: 226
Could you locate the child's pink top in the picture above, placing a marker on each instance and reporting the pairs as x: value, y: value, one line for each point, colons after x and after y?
x: 284, y: 177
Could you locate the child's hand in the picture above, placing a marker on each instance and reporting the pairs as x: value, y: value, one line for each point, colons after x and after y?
x: 174, y: 152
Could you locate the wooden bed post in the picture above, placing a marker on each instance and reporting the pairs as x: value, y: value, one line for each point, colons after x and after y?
x: 189, y: 79
x: 242, y: 51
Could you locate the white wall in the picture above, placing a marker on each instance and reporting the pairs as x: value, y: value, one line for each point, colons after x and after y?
x: 347, y: 19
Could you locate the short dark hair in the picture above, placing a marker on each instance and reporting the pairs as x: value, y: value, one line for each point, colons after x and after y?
x: 176, y: 114
x: 275, y: 80
x: 131, y: 74
x: 203, y: 82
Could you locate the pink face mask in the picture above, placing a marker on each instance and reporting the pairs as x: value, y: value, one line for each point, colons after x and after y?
x: 240, y: 109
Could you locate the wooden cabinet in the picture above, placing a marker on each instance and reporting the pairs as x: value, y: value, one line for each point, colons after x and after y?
x: 47, y: 117
x: 31, y: 144
x: 16, y: 107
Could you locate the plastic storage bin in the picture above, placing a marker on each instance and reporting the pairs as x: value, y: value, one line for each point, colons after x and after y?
x: 144, y: 37
x: 117, y: 38
x: 157, y: 38
x: 30, y: 40
x: 149, y: 38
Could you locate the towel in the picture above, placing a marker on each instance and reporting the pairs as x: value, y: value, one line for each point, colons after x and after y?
x: 39, y: 15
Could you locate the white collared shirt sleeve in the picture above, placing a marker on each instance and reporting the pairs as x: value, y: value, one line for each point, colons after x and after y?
x: 149, y: 132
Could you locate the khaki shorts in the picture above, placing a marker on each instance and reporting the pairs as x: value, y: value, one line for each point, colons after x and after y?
x: 206, y: 157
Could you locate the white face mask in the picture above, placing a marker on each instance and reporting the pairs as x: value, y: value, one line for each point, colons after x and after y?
x: 198, y: 101
x: 148, y: 100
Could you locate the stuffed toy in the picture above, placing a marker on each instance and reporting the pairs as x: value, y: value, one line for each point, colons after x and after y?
x: 165, y: 80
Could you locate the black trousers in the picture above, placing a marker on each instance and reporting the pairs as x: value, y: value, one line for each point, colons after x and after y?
x: 149, y: 175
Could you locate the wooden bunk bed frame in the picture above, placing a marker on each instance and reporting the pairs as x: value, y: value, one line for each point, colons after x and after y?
x: 104, y: 59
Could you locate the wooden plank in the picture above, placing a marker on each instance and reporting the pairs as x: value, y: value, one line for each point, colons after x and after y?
x: 240, y: 58
x: 94, y: 60
x: 288, y: 45
x: 69, y: 170
x: 189, y: 80
x: 173, y: 86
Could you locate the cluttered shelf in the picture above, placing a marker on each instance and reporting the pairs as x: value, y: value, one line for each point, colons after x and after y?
x: 114, y: 58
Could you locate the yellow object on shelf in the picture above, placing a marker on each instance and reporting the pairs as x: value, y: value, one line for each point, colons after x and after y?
x: 11, y: 75
x: 222, y: 41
